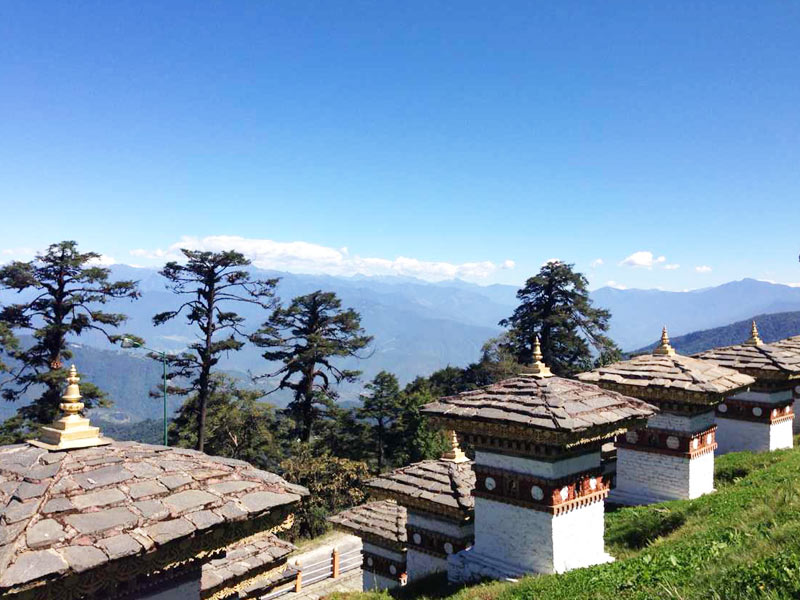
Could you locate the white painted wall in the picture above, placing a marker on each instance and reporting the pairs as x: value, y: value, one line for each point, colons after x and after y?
x: 578, y: 538
x: 385, y: 552
x: 656, y: 477
x: 539, y: 468
x: 419, y: 564
x: 739, y: 436
x: 776, y: 396
x: 780, y: 436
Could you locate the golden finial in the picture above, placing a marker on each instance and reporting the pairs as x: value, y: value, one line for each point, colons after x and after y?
x: 664, y: 349
x: 538, y: 368
x: 71, y: 430
x: 454, y: 453
x: 755, y: 339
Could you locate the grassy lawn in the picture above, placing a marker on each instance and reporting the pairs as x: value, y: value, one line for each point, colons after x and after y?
x: 741, y: 542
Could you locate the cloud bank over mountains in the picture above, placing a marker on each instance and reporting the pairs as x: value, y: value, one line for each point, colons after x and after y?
x: 305, y: 257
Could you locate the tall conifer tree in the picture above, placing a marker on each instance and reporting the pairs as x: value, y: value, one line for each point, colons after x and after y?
x: 306, y: 338
x: 381, y: 408
x: 555, y: 305
x: 212, y: 282
x: 63, y: 290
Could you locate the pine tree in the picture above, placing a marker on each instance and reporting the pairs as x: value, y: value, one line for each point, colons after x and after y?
x: 212, y: 282
x: 555, y: 305
x: 306, y: 337
x: 381, y: 408
x: 237, y: 424
x: 66, y: 289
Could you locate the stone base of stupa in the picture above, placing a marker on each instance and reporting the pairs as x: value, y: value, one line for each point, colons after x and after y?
x: 470, y: 566
x: 69, y: 433
x: 735, y: 435
x: 648, y: 477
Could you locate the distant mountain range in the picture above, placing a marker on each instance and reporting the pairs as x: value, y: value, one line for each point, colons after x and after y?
x: 771, y: 328
x: 418, y: 326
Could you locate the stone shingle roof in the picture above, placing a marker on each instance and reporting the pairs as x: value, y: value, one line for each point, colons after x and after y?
x: 67, y: 512
x: 440, y: 486
x: 653, y: 377
x: 251, y: 561
x: 764, y: 361
x: 382, y: 522
x: 550, y: 404
x: 792, y: 343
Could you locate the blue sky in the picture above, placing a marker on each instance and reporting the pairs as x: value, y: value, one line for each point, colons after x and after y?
x: 435, y: 139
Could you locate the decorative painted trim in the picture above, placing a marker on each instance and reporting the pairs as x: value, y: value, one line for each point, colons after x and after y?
x: 770, y: 413
x: 130, y: 576
x: 435, y: 543
x: 669, y: 396
x: 385, y: 567
x: 554, y: 496
x: 523, y: 440
x: 670, y: 442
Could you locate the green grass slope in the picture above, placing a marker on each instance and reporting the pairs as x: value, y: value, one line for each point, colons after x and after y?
x: 741, y: 542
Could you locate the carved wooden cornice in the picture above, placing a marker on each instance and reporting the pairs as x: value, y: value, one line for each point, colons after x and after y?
x: 756, y: 412
x: 386, y: 567
x: 670, y: 442
x: 436, y: 543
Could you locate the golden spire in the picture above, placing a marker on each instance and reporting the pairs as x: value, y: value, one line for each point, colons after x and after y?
x: 454, y: 453
x: 664, y: 349
x: 755, y: 339
x: 538, y: 367
x: 71, y: 430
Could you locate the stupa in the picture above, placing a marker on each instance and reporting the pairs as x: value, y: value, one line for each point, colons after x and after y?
x: 673, y: 458
x: 539, y: 490
x: 381, y: 525
x: 88, y: 518
x: 792, y: 344
x: 437, y: 495
x: 761, y: 418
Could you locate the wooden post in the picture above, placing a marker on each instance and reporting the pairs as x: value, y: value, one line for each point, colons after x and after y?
x: 298, y: 582
x: 335, y: 563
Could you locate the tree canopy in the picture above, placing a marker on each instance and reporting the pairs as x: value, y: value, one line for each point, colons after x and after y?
x: 555, y: 305
x: 211, y: 282
x: 64, y: 290
x: 306, y: 338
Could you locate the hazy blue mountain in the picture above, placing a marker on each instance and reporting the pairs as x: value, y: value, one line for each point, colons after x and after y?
x: 638, y: 315
x: 418, y: 326
x: 771, y: 328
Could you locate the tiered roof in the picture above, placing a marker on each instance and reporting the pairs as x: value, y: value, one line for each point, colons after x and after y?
x: 792, y: 343
x: 109, y: 509
x: 665, y: 375
x: 382, y: 522
x: 437, y: 486
x: 754, y: 357
x: 540, y: 408
x: 252, y: 565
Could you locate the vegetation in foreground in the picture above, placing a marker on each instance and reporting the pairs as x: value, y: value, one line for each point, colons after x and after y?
x: 742, y: 542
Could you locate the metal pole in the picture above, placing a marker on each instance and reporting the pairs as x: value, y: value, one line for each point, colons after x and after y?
x: 164, y: 361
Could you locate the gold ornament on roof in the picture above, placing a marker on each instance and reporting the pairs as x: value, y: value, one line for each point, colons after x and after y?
x: 538, y: 367
x: 454, y: 453
x: 755, y: 339
x: 664, y: 349
x: 71, y: 430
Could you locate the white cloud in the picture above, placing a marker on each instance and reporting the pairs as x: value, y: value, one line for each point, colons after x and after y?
x: 304, y: 257
x: 644, y: 259
x: 616, y: 286
x: 703, y: 269
x: 20, y: 253
x: 672, y: 267
x: 103, y: 261
x: 597, y: 262
x: 551, y: 260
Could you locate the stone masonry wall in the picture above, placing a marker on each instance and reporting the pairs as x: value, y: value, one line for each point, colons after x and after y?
x: 420, y: 564
x: 682, y: 423
x: 578, y: 538
x: 663, y: 477
x: 375, y: 582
